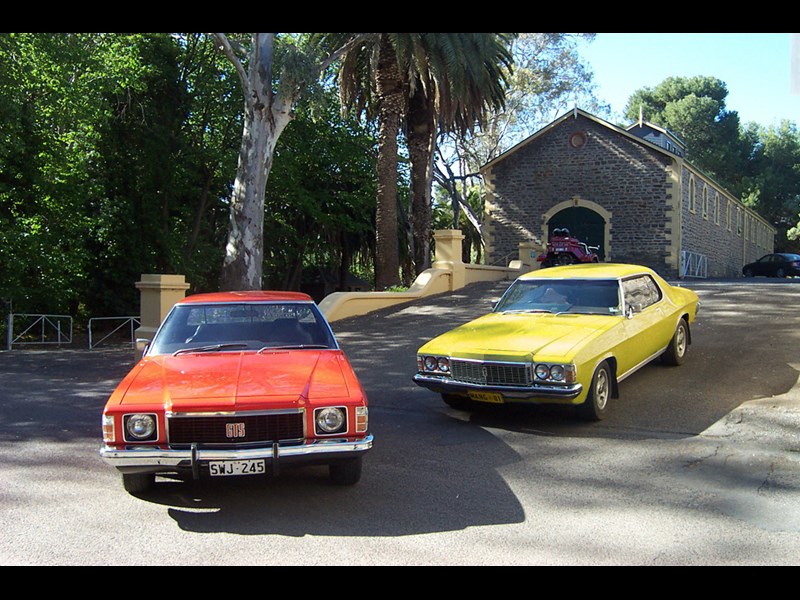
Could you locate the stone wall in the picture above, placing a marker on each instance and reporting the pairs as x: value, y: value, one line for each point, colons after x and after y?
x: 580, y: 160
x: 642, y: 193
x: 719, y: 227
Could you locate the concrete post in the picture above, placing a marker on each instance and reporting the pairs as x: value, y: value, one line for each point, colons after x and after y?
x: 448, y: 255
x: 158, y: 293
x: 528, y: 252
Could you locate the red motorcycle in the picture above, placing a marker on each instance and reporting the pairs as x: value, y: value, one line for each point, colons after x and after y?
x: 563, y: 249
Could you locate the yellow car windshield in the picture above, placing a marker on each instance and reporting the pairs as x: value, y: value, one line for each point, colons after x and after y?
x: 577, y: 296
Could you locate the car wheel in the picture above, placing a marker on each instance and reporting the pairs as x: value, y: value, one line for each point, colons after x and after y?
x: 748, y: 273
x: 137, y: 483
x: 457, y: 402
x: 346, y: 472
x: 676, y: 351
x: 780, y: 273
x: 596, y: 406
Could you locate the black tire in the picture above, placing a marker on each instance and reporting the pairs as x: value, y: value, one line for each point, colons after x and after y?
x: 457, y: 402
x: 346, y: 472
x: 780, y: 273
x: 676, y: 351
x: 138, y: 483
x: 749, y: 273
x: 596, y: 406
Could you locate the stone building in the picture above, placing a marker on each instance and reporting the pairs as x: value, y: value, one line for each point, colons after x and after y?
x: 631, y: 192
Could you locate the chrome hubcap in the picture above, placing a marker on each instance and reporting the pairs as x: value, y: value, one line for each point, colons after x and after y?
x: 680, y: 344
x: 601, y: 389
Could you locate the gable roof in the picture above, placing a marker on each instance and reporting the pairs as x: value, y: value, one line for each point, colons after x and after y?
x: 574, y: 114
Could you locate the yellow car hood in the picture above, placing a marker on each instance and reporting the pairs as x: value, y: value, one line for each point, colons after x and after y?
x: 521, y: 336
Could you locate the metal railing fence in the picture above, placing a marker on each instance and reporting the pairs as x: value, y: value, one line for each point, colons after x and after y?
x: 131, y: 322
x: 694, y: 265
x: 38, y: 330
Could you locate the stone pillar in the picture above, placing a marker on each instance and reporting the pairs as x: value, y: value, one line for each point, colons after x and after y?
x: 448, y: 255
x: 528, y: 252
x: 159, y: 293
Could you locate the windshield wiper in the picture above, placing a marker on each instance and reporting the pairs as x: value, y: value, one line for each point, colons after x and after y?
x: 214, y: 348
x: 295, y: 347
x: 530, y: 310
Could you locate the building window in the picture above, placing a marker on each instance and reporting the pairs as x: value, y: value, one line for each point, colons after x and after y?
x: 705, y: 202
x: 716, y: 208
x: 739, y: 221
x: 692, y: 195
x: 728, y: 214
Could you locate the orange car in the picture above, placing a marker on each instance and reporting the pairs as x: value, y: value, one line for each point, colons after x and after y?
x: 237, y: 384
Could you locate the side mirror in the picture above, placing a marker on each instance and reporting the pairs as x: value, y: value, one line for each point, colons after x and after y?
x: 630, y: 312
x: 142, y: 346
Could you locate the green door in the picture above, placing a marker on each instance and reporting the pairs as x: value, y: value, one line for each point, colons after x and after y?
x: 584, y: 224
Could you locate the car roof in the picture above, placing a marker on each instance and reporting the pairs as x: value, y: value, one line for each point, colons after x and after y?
x: 254, y: 297
x: 588, y: 271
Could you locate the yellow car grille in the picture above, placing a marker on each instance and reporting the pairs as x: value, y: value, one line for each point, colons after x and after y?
x: 488, y: 373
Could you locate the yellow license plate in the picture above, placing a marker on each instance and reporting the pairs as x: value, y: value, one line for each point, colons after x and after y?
x: 487, y: 397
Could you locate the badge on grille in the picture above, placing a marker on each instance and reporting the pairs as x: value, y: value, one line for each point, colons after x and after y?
x: 234, y: 430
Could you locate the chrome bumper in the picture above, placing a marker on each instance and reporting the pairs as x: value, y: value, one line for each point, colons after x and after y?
x: 155, y: 460
x: 534, y: 392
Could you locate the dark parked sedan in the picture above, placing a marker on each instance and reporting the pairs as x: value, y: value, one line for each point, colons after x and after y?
x: 774, y: 265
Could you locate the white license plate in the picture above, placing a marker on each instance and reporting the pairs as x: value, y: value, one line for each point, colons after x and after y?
x: 231, y: 468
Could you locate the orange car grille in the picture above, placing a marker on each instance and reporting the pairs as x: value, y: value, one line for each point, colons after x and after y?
x: 502, y: 374
x: 236, y: 429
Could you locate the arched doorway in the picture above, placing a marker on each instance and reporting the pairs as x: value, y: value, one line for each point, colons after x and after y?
x: 583, y: 223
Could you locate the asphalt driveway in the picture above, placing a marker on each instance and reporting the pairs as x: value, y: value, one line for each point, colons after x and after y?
x: 696, y: 465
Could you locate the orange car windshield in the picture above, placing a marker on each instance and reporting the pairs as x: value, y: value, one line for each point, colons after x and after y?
x: 194, y: 328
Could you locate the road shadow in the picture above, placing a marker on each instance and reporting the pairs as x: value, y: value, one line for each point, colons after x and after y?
x: 425, y: 475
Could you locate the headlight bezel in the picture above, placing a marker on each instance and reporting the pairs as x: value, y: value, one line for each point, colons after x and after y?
x: 147, y: 423
x: 337, y: 426
x: 555, y: 373
x: 433, y: 364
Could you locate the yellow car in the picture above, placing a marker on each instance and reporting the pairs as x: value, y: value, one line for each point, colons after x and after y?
x: 565, y: 335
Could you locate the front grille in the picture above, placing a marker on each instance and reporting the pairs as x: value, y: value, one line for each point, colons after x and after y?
x: 236, y: 429
x: 488, y: 373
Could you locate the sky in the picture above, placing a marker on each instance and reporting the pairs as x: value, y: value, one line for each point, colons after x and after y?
x: 762, y: 79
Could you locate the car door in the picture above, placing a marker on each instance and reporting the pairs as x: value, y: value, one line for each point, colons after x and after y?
x: 648, y: 327
x: 768, y: 265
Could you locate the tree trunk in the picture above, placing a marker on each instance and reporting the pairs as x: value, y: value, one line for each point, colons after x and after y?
x: 265, y: 118
x: 421, y: 136
x: 244, y: 253
x: 390, y: 91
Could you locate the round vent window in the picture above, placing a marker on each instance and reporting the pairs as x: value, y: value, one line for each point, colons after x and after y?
x: 577, y: 140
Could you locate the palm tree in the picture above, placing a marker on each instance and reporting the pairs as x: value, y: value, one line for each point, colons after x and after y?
x: 435, y: 80
x: 453, y: 81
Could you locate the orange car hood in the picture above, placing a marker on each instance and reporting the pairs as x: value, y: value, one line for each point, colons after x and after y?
x: 229, y: 380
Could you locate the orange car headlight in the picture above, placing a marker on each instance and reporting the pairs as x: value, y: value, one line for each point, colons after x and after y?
x: 140, y: 427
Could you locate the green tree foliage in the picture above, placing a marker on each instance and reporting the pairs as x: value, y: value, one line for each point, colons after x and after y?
x: 117, y: 157
x: 320, y: 199
x: 52, y: 88
x: 757, y: 164
x: 694, y: 109
x: 774, y: 184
